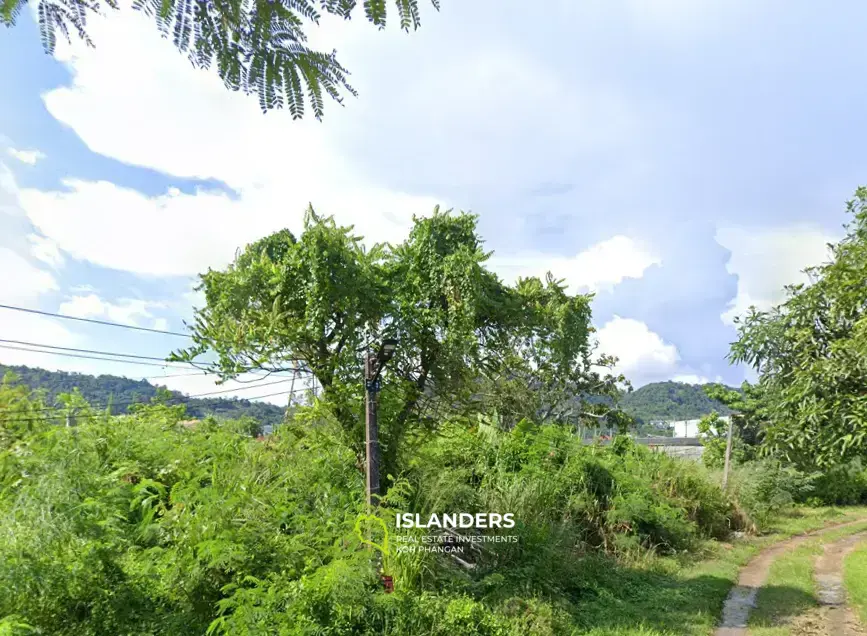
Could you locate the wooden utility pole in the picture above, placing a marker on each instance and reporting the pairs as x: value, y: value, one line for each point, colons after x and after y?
x: 725, y: 477
x: 371, y: 428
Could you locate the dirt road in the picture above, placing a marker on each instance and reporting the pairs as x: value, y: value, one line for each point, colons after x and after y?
x: 742, y: 598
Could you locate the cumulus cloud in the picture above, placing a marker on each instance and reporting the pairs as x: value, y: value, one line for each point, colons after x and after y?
x: 180, y: 235
x: 127, y: 311
x: 692, y: 378
x: 188, y: 125
x: 29, y: 157
x: 23, y: 285
x: 643, y: 356
x: 598, y: 268
x: 766, y: 259
x: 45, y: 250
x: 22, y: 281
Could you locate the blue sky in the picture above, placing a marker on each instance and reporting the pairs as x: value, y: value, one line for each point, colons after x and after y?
x: 683, y: 159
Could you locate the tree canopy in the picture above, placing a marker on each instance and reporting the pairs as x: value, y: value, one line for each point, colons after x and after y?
x: 811, y: 355
x: 468, y: 342
x: 257, y: 46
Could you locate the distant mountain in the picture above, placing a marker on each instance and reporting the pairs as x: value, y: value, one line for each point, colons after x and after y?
x: 104, y: 389
x: 670, y: 401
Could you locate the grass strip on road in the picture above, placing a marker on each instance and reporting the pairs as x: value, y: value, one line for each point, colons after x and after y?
x: 855, y: 581
x: 790, y: 590
x: 684, y: 595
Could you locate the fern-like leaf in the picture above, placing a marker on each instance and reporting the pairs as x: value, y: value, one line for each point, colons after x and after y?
x: 257, y: 46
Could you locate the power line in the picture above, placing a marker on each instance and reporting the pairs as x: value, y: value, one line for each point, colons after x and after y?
x: 96, y: 322
x: 114, y: 324
x: 117, y: 357
x: 174, y: 375
x: 95, y: 415
x: 102, y: 353
x: 74, y: 355
x: 180, y: 397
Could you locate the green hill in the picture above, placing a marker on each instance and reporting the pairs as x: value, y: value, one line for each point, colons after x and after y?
x: 104, y: 389
x: 670, y: 401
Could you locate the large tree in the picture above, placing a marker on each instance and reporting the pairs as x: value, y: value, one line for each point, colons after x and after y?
x: 467, y: 341
x: 811, y: 355
x: 257, y: 46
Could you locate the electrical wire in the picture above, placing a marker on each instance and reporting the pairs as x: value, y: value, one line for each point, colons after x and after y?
x: 95, y: 415
x: 102, y: 353
x: 73, y: 355
x: 94, y: 321
x: 115, y: 324
x: 165, y: 365
x: 181, y: 397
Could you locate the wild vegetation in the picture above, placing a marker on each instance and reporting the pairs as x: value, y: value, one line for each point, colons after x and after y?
x: 139, y: 524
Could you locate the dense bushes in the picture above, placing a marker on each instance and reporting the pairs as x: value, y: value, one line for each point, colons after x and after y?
x: 765, y: 488
x: 139, y: 525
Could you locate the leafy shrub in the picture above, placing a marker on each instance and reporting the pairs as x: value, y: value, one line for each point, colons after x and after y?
x: 845, y: 485
x: 764, y: 488
x: 138, y: 525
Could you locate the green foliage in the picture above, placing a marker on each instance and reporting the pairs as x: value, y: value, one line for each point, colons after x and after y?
x: 136, y: 524
x: 257, y: 47
x: 670, y: 401
x: 811, y: 354
x: 119, y: 393
x: 843, y: 484
x: 714, y: 433
x: 747, y: 408
x: 765, y: 488
x: 468, y: 342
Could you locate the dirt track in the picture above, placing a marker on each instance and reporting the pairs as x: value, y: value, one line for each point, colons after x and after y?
x: 742, y: 597
x: 839, y: 618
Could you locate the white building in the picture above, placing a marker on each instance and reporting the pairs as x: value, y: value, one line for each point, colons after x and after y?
x: 689, y: 428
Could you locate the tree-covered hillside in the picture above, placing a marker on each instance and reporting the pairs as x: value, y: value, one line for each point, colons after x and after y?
x: 670, y: 401
x: 111, y: 389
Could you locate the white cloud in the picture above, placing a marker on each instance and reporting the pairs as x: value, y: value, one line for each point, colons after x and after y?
x: 29, y: 157
x: 127, y: 311
x: 599, y: 267
x: 22, y: 286
x: 188, y: 125
x: 643, y: 356
x: 22, y: 281
x: 179, y: 235
x: 45, y: 250
x: 692, y: 378
x: 767, y: 259
x: 250, y: 386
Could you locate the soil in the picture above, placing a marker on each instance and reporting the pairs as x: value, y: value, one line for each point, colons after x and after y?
x: 839, y: 617
x: 742, y: 597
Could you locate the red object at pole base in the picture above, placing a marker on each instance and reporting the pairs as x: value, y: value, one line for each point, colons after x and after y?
x: 388, y: 582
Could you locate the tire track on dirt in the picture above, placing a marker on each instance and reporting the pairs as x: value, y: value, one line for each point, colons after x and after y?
x: 828, y: 574
x: 742, y: 597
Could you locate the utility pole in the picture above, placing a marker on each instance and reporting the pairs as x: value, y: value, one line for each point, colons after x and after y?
x: 373, y: 365
x: 371, y: 429
x: 725, y: 477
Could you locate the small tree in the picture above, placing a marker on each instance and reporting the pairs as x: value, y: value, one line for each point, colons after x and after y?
x: 811, y: 355
x: 466, y: 339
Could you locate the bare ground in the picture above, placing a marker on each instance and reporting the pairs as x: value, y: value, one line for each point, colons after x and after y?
x: 742, y: 597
